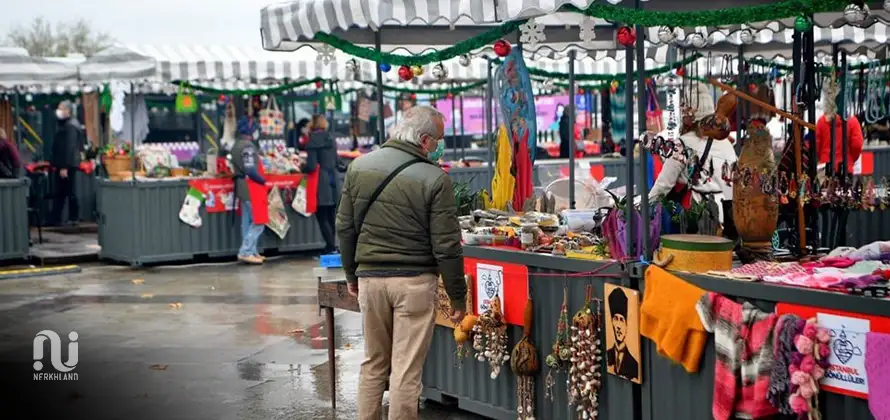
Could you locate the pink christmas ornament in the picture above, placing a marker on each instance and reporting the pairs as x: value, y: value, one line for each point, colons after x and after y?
x: 823, y: 335
x: 809, y: 330
x: 804, y: 344
x: 798, y: 404
x: 807, y: 364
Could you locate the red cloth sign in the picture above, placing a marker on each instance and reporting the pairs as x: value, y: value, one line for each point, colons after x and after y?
x: 220, y: 192
x: 515, y: 286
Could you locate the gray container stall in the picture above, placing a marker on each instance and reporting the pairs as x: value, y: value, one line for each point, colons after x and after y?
x: 478, y: 178
x: 139, y: 224
x: 470, y: 384
x: 14, y: 241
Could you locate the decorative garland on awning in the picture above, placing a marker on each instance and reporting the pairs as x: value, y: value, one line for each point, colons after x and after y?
x: 453, y: 90
x: 262, y: 91
x: 823, y: 69
x: 608, y: 77
x: 778, y: 10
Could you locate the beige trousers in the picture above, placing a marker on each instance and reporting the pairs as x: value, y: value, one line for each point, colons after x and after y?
x: 398, y: 319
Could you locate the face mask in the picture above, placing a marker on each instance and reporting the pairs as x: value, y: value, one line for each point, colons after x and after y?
x: 60, y: 114
x: 437, y: 154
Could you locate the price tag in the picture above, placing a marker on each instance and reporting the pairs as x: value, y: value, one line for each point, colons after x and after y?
x: 489, y: 283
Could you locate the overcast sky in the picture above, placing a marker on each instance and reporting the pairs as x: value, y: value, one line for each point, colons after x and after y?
x: 152, y: 22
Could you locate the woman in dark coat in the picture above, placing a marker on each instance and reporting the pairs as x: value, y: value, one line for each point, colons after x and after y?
x: 322, y: 155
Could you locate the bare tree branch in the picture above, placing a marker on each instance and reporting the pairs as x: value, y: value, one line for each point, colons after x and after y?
x: 69, y: 37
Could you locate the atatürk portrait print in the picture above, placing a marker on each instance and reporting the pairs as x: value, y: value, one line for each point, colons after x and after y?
x: 622, y: 334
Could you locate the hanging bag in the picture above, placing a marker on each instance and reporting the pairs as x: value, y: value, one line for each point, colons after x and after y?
x: 186, y: 102
x: 300, y: 204
x: 654, y: 118
x: 278, y: 221
x: 272, y: 119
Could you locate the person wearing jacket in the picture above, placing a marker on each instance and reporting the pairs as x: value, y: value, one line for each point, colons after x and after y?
x: 68, y: 142
x: 299, y: 134
x: 322, y: 156
x: 250, y: 189
x: 10, y: 162
x: 393, y: 251
x: 823, y: 141
x: 565, y: 136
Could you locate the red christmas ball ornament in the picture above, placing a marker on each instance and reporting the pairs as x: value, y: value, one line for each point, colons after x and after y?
x: 318, y: 84
x: 502, y: 48
x: 680, y: 71
x: 450, y: 96
x: 405, y: 73
x: 580, y: 91
x: 626, y: 36
x: 752, y: 87
x: 413, y: 96
x: 222, y: 98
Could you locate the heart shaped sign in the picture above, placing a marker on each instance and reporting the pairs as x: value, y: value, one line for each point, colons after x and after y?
x: 844, y: 349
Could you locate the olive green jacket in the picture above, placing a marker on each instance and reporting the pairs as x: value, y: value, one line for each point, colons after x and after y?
x: 412, y: 226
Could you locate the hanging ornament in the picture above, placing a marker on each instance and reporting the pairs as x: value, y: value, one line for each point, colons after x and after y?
x: 29, y: 98
x: 385, y: 67
x: 626, y: 36
x: 698, y: 40
x: 585, y: 370
x: 405, y: 73
x: 666, y: 34
x: 450, y: 95
x: 580, y: 91
x: 221, y: 99
x: 587, y: 32
x: 802, y: 24
x: 548, y: 84
x: 440, y: 72
x: 887, y: 5
x: 524, y: 363
x: 417, y: 70
x: 531, y: 34
x: 490, y: 338
x: 855, y: 13
x: 464, y: 60
x: 264, y: 98
x: 681, y: 71
x: 318, y: 84
x: 352, y: 65
x: 502, y: 48
x: 614, y: 84
x: 326, y: 54
x: 746, y: 36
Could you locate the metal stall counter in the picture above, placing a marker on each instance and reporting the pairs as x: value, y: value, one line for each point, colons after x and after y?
x: 14, y: 237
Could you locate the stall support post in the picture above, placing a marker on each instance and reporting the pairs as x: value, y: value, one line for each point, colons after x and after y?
x: 642, y: 106
x: 463, y: 146
x: 827, y: 214
x: 129, y: 109
x: 740, y: 109
x: 489, y: 128
x: 842, y: 213
x: 629, y: 150
x: 16, y: 124
x: 812, y: 159
x: 571, y: 110
x: 381, y: 127
x: 453, y: 121
x: 796, y: 135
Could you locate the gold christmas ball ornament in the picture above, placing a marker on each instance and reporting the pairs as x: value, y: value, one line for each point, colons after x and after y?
x: 614, y: 84
x: 417, y: 70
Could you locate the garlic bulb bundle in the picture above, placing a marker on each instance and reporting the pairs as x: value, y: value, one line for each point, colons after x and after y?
x: 585, y: 373
x: 490, y: 338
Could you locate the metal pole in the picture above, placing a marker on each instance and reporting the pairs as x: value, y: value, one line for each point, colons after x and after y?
x: 129, y: 109
x: 811, y: 214
x: 17, y: 129
x: 463, y: 145
x: 740, y: 108
x: 453, y: 121
x: 642, y: 106
x: 629, y: 148
x: 381, y: 127
x: 489, y: 128
x: 842, y: 213
x: 570, y: 108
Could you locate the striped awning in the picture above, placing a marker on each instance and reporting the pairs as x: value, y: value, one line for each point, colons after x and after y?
x: 779, y: 33
x: 117, y: 63
x: 228, y: 63
x: 17, y: 68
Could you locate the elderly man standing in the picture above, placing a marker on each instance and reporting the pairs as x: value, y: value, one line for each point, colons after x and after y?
x: 398, y: 231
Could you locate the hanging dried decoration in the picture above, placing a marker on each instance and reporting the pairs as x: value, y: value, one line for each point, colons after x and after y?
x: 524, y: 362
x: 585, y: 374
x: 746, y: 37
x: 326, y: 54
x: 587, y: 32
x: 490, y: 338
x: 462, y: 333
x: 531, y: 34
x: 562, y: 346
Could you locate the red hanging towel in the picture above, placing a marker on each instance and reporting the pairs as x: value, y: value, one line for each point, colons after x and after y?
x: 259, y: 197
x: 522, y: 163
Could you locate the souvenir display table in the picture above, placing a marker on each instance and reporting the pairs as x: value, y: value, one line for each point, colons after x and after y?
x: 14, y: 220
x: 139, y: 223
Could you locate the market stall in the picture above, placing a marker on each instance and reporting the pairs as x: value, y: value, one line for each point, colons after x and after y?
x: 14, y: 236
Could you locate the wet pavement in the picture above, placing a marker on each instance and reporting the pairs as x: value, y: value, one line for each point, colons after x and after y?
x: 212, y: 342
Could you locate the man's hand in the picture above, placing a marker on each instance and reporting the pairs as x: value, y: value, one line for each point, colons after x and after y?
x: 353, y: 289
x: 457, y: 316
x: 63, y: 173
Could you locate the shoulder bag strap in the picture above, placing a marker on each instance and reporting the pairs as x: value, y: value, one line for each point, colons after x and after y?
x: 360, y: 220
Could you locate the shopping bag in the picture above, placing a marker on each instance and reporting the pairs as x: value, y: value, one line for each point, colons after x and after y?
x: 654, y: 115
x: 301, y: 200
x: 186, y: 102
x: 272, y: 119
x: 277, y: 215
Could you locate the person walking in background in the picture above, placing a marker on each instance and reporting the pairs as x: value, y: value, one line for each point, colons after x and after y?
x: 322, y: 156
x: 823, y: 141
x: 299, y: 134
x: 68, y: 142
x: 10, y: 162
x: 250, y: 188
x: 398, y: 231
x: 565, y: 136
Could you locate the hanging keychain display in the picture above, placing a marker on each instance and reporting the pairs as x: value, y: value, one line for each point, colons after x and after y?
x: 561, y: 351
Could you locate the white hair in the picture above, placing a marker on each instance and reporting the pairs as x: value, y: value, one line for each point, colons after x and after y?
x: 415, y: 123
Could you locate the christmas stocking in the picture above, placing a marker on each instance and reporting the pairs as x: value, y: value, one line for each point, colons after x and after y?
x: 190, y: 213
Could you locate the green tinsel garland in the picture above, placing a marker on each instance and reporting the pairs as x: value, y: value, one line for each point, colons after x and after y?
x: 461, y: 48
x: 603, y: 77
x: 782, y: 9
x: 771, y: 63
x: 455, y: 90
x: 264, y: 91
